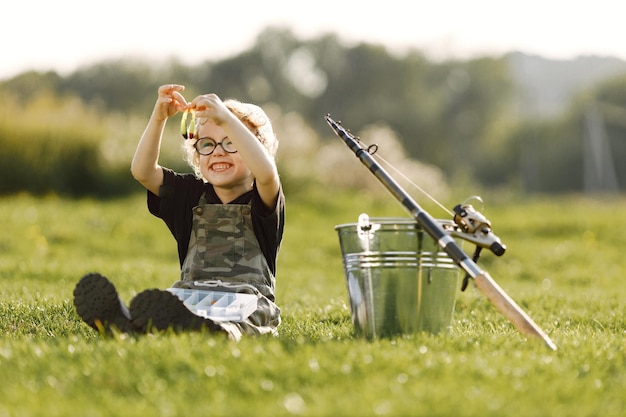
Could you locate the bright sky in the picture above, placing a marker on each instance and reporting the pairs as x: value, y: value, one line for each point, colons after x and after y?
x: 65, y: 34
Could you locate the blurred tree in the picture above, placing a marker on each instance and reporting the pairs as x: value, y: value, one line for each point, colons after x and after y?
x: 457, y: 115
x: 29, y: 85
x: 118, y: 85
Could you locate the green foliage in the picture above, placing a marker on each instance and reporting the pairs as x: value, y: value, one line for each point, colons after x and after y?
x: 31, y: 84
x: 59, y: 145
x: 548, y: 155
x: 563, y: 266
x: 120, y: 85
x: 459, y: 116
x: 52, y: 145
x: 612, y: 91
x: 440, y: 111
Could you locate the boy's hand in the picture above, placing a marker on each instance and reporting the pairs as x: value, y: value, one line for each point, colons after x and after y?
x: 169, y: 101
x: 210, y: 106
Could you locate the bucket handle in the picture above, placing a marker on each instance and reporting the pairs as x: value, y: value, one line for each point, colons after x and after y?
x: 365, y: 231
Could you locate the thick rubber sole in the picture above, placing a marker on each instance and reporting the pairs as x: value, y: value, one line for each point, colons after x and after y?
x: 161, y: 310
x: 98, y: 304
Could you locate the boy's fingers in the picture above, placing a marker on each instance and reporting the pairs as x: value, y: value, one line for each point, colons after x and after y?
x: 168, y: 88
x: 204, y: 102
x: 179, y: 97
x: 175, y: 87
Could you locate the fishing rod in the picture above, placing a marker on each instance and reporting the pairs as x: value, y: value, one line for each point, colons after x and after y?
x: 498, y: 297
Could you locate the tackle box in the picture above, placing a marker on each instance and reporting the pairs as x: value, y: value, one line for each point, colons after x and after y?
x: 217, y: 305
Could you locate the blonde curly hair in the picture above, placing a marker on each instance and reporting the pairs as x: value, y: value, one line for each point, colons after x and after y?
x: 253, y: 117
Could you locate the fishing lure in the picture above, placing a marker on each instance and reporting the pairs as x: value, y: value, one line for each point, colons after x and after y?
x: 188, y: 128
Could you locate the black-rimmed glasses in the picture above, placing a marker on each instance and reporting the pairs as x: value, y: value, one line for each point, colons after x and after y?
x: 206, y: 146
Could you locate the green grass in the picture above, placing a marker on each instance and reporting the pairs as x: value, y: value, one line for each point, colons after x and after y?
x: 564, y: 265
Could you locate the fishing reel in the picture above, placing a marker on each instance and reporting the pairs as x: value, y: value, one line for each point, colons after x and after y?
x: 474, y: 227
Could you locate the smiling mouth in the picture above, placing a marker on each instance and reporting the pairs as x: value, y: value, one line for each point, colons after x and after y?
x: 219, y: 167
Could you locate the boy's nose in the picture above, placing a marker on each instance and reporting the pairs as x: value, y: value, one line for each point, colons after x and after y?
x: 219, y: 150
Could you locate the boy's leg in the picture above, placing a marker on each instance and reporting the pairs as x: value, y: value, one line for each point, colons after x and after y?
x: 99, y: 305
x: 162, y: 310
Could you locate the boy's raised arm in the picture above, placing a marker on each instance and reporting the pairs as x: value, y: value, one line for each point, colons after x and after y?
x: 145, y: 166
x: 256, y: 157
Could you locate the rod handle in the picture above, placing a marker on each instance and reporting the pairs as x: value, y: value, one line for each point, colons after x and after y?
x: 510, y: 309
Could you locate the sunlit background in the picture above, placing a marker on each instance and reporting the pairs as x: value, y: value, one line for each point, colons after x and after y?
x: 530, y: 95
x: 65, y: 34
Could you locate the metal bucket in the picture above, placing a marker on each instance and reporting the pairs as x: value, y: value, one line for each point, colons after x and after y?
x: 399, y: 281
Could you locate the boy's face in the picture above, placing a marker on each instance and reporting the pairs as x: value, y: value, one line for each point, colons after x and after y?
x: 223, y: 169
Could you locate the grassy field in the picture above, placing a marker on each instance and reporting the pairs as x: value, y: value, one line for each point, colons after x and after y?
x: 565, y: 265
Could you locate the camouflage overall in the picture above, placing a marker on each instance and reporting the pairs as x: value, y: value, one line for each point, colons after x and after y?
x: 224, y: 255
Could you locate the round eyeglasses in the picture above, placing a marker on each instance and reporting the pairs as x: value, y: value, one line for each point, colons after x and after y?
x: 206, y: 146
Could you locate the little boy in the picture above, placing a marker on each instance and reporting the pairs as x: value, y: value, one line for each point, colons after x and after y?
x: 227, y: 219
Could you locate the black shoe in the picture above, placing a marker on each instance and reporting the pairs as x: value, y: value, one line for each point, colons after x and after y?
x: 161, y: 310
x: 98, y: 304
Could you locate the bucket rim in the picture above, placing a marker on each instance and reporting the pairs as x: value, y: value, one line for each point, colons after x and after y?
x: 401, y: 221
